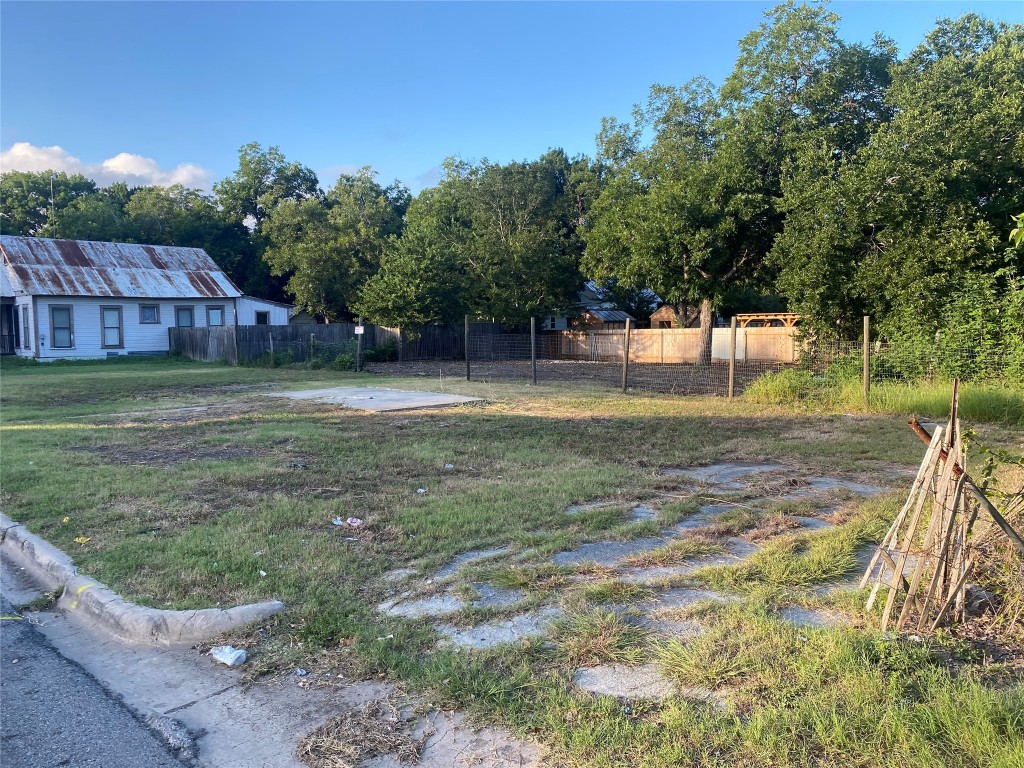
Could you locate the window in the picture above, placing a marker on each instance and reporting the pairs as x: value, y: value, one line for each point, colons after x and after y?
x: 215, y: 316
x: 26, y: 342
x: 183, y: 317
x: 61, y: 327
x: 262, y: 318
x: 112, y: 329
x: 149, y: 313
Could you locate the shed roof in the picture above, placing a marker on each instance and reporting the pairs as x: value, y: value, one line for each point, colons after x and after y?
x: 39, y: 266
x: 611, y: 315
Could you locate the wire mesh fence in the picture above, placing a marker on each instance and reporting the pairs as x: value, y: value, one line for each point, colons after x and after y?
x: 666, y: 360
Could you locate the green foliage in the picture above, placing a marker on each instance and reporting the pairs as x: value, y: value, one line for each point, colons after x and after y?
x: 329, y: 246
x: 383, y: 354
x: 25, y: 200
x: 490, y: 241
x: 782, y: 388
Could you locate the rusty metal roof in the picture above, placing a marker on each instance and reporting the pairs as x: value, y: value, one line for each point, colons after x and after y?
x: 39, y: 266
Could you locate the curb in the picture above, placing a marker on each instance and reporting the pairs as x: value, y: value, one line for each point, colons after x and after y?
x: 109, y: 611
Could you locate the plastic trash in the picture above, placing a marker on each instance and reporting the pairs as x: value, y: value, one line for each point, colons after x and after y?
x: 300, y: 672
x: 449, y: 466
x: 263, y: 574
x: 338, y: 521
x: 421, y: 490
x: 229, y: 655
x: 355, y: 522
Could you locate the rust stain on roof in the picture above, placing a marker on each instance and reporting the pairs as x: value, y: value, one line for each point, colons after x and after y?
x: 44, y: 267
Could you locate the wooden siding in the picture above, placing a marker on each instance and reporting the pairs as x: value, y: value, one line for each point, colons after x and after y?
x: 248, y: 306
x: 139, y: 338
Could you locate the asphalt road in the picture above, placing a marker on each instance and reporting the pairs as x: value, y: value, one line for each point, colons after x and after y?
x: 52, y: 713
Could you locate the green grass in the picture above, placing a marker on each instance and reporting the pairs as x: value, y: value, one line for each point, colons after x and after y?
x: 675, y: 553
x: 185, y: 508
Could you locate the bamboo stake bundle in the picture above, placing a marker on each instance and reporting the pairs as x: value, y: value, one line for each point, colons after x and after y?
x: 930, y: 538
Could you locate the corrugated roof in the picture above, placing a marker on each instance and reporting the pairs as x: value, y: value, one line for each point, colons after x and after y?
x: 611, y: 315
x: 39, y: 266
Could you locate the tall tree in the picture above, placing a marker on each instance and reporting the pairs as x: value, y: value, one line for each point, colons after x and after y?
x: 694, y: 213
x: 330, y: 246
x: 490, y: 240
x: 264, y: 179
x: 896, y: 229
x: 25, y: 202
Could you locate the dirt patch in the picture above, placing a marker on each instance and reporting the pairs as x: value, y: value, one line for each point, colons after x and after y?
x: 768, y: 527
x: 164, y: 456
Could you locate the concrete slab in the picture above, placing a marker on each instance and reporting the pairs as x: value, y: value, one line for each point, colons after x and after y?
x: 496, y: 597
x: 497, y: 633
x: 475, y: 556
x: 606, y: 552
x: 435, y: 605
x: 812, y: 618
x: 624, y: 682
x: 726, y: 475
x: 377, y: 399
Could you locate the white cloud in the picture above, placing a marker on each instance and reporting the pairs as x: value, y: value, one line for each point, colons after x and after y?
x: 136, y: 170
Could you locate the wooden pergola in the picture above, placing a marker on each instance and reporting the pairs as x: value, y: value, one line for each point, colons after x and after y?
x: 767, y: 319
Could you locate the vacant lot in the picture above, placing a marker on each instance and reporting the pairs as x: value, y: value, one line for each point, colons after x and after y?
x: 701, y: 610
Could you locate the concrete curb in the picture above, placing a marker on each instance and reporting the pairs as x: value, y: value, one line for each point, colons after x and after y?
x: 109, y: 611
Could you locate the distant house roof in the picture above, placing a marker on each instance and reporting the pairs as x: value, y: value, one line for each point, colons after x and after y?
x: 39, y: 266
x: 611, y: 315
x: 268, y: 301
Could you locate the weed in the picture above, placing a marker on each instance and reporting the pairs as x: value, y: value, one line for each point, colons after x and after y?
x: 599, y: 637
x: 676, y: 552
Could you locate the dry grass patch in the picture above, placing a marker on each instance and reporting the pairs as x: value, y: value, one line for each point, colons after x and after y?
x: 600, y: 637
x: 379, y: 729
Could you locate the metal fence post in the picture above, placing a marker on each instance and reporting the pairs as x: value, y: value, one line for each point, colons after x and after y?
x: 732, y: 357
x: 359, y: 345
x: 533, y: 349
x: 625, y: 355
x: 867, y: 358
x: 466, y: 344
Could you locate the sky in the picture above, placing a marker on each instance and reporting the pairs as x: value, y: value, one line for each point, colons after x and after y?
x: 164, y: 93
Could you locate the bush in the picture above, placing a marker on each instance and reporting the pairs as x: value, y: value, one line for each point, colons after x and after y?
x: 382, y: 354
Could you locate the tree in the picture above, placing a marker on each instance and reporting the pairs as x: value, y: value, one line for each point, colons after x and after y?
x: 25, y: 205
x: 330, y: 246
x: 263, y: 180
x: 695, y: 212
x: 897, y: 228
x: 490, y: 240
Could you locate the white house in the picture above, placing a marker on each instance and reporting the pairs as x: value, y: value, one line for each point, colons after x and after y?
x: 253, y: 311
x: 82, y: 299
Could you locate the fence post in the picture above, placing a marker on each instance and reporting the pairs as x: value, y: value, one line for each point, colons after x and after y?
x: 533, y: 349
x: 732, y: 357
x: 466, y: 345
x: 270, y: 335
x: 359, y: 344
x: 867, y: 358
x: 625, y: 355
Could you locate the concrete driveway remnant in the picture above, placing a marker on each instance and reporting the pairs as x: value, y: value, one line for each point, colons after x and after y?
x: 377, y: 399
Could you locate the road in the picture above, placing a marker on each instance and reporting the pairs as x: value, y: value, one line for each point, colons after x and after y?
x: 53, y: 713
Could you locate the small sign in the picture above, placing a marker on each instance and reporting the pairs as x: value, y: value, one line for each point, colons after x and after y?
x: 359, y: 330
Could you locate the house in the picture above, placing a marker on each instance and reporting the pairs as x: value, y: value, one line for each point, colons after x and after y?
x: 253, y: 311
x: 592, y: 302
x: 81, y: 299
x: 668, y: 316
x: 604, y: 320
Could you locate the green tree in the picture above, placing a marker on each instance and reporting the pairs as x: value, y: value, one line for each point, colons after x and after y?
x: 330, y: 246
x: 896, y: 229
x: 264, y: 179
x: 25, y: 206
x: 695, y: 211
x: 490, y: 240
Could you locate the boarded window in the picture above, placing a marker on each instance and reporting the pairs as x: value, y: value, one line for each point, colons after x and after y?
x: 183, y: 317
x: 62, y: 328
x: 149, y: 313
x: 262, y: 318
x: 112, y: 330
x: 214, y: 316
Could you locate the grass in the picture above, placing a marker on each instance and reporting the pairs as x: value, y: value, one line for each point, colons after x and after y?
x: 599, y: 637
x: 675, y: 553
x: 185, y: 482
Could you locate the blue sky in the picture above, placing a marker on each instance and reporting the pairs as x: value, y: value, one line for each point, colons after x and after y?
x: 163, y: 92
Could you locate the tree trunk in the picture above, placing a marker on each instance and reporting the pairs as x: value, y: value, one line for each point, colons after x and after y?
x: 706, y: 323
